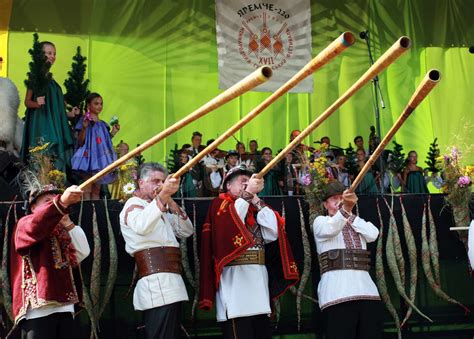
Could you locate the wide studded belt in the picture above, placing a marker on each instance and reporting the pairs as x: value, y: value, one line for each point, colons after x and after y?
x: 344, y: 259
x: 158, y: 260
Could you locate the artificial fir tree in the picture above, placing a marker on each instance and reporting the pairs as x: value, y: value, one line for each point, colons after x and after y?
x: 172, y: 162
x: 433, y: 153
x: 397, y: 162
x: 76, y: 86
x: 139, y: 158
x: 39, y: 76
x: 351, y: 163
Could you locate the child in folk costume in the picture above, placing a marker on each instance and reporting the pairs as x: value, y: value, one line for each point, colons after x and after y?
x: 95, y: 150
x: 347, y: 295
x: 46, y: 120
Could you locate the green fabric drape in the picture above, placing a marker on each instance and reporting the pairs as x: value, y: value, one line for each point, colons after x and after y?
x: 154, y: 63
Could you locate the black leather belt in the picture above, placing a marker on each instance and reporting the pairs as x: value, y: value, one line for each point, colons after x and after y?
x: 344, y: 259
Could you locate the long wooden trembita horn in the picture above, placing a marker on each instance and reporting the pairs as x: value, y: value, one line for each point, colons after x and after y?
x: 249, y: 82
x: 397, y: 49
x: 335, y: 48
x: 430, y: 80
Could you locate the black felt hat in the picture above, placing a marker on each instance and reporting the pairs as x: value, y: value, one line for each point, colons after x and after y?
x: 334, y: 187
x: 233, y: 172
x: 46, y: 189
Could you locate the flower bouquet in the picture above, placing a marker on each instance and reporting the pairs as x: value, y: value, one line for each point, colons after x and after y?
x: 316, y: 175
x: 125, y: 185
x: 458, y: 187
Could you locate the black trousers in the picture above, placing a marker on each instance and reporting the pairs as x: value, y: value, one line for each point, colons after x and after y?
x: 53, y: 326
x: 358, y: 319
x: 163, y: 321
x: 254, y: 327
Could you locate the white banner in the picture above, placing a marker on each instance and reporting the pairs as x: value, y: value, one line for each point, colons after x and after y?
x: 276, y: 33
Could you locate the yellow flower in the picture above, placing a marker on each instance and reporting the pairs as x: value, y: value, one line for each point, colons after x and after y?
x: 469, y: 170
x: 39, y: 148
x: 55, y: 173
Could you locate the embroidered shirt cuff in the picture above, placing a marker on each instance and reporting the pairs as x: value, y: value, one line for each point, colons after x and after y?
x: 160, y: 204
x: 344, y: 213
x: 247, y: 196
x: 259, y: 205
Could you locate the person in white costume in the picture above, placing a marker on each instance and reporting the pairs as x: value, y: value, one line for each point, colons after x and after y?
x: 347, y: 295
x: 150, y: 222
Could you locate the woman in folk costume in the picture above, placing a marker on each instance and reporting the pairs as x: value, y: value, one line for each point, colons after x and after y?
x: 413, y: 177
x: 46, y: 249
x: 347, y: 295
x: 46, y: 120
x: 273, y: 178
x: 368, y: 184
x: 246, y: 260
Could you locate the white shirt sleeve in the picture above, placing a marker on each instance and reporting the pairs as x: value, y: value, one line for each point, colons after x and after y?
x: 470, y: 244
x: 241, y: 206
x: 142, y: 220
x: 80, y: 243
x: 365, y: 229
x: 216, y: 179
x: 266, y: 218
x: 328, y: 227
x: 182, y: 228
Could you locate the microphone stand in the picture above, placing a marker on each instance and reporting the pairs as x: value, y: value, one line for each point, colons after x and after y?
x: 377, y: 94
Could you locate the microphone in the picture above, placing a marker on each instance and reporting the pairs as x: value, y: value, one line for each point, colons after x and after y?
x: 364, y: 35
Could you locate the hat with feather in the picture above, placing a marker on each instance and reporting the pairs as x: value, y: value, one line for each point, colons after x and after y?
x: 40, y: 177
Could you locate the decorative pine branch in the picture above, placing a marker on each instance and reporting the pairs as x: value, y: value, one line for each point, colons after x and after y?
x: 433, y: 153
x: 76, y: 86
x: 39, y: 76
x: 397, y: 160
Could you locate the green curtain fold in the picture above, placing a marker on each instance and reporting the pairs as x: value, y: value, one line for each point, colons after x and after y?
x: 156, y: 62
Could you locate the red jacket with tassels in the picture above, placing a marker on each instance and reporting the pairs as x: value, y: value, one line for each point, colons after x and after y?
x: 224, y: 237
x: 41, y: 260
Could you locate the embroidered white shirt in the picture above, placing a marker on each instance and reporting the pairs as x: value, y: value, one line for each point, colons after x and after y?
x: 143, y: 226
x: 243, y: 289
x: 79, y: 241
x: 343, y: 285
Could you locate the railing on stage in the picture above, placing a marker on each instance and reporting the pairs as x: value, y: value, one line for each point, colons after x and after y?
x: 120, y: 320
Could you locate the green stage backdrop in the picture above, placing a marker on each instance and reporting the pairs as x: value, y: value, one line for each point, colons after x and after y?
x: 156, y: 61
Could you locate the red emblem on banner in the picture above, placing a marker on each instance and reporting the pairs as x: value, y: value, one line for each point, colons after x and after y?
x: 259, y: 46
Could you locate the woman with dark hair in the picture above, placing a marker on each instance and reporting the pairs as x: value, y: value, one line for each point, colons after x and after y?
x: 95, y: 150
x: 271, y: 186
x: 413, y: 178
x: 368, y: 184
